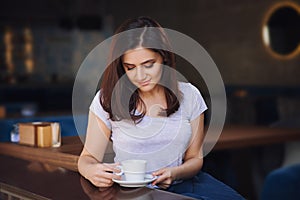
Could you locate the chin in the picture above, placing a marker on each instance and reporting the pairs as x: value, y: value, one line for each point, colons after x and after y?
x: 147, y: 88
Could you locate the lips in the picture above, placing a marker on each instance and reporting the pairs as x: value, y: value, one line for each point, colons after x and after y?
x: 145, y: 83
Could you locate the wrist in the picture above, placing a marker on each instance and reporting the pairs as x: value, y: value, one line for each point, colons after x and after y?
x: 175, y: 173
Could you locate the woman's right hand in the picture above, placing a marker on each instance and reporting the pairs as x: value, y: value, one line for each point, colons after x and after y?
x: 101, y: 174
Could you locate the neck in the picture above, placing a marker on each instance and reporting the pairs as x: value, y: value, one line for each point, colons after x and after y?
x: 154, y: 93
x: 154, y: 100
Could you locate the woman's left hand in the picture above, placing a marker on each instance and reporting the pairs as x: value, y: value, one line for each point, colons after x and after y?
x: 165, y: 177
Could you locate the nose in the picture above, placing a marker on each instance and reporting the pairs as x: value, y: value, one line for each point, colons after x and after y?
x: 140, y: 73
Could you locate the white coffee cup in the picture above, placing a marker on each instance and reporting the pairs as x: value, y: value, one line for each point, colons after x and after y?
x: 134, y: 170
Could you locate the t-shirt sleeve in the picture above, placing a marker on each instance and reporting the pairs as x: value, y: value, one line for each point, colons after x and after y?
x: 198, y: 105
x: 98, y: 110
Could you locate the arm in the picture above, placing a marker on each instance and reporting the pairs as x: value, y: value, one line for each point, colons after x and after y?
x: 193, y: 159
x: 89, y: 163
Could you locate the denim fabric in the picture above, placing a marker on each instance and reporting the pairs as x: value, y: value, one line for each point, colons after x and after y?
x: 205, y: 187
x: 282, y: 183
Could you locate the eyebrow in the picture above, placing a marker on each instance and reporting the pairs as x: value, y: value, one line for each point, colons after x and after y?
x: 147, y: 61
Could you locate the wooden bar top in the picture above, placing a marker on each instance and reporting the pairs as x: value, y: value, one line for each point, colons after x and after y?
x: 23, y: 179
x: 65, y: 156
x: 232, y: 137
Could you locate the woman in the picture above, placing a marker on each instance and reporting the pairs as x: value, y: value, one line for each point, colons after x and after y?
x: 148, y: 115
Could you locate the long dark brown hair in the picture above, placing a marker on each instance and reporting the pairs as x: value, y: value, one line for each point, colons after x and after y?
x: 119, y: 97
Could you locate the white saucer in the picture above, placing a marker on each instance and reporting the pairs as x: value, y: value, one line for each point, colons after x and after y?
x: 148, y: 179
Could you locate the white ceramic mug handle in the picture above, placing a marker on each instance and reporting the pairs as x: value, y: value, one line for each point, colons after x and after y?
x: 121, y: 172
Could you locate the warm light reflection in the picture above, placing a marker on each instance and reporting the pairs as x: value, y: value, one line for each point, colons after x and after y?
x: 241, y: 93
x: 28, y: 51
x: 8, y: 37
x: 266, y: 35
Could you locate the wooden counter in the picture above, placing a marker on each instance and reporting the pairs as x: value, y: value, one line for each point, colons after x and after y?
x: 22, y: 179
x: 65, y: 156
x: 232, y: 137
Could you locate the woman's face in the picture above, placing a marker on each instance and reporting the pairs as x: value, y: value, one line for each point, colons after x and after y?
x: 143, y: 68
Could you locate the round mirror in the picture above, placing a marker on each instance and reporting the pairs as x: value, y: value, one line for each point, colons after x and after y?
x: 281, y: 30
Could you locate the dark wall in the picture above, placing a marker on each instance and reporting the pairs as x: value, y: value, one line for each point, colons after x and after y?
x: 229, y: 30
x: 261, y: 88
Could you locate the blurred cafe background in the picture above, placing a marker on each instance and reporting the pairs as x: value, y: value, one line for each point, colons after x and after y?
x: 255, y: 45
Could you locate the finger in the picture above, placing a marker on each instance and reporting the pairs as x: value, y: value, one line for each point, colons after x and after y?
x: 103, y: 175
x: 108, y: 167
x: 164, y: 186
x: 159, y: 172
x: 105, y: 171
x: 109, y: 175
x: 117, y: 177
x: 159, y: 179
x: 112, y: 167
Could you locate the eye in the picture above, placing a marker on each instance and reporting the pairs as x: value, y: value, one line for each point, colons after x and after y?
x: 149, y: 65
x: 129, y: 67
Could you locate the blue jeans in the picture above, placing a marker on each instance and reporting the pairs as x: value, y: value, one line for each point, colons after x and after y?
x: 205, y: 187
x: 282, y: 183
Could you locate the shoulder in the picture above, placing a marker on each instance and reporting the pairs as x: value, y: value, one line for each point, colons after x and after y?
x: 96, y: 100
x: 187, y: 88
x: 98, y: 94
x: 192, y: 102
x: 98, y: 110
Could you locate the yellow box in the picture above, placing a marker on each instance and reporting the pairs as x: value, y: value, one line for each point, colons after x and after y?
x: 44, y: 136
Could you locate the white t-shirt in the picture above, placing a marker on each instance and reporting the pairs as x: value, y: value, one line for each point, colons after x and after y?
x: 162, y: 141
